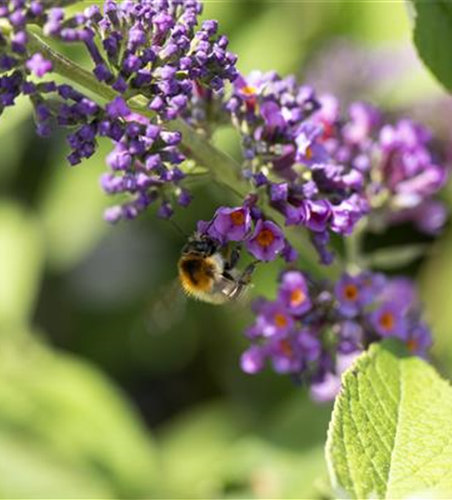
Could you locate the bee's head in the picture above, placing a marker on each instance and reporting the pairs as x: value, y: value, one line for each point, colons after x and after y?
x: 200, y: 244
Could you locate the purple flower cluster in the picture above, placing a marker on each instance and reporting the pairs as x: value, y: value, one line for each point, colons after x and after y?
x: 399, y: 169
x: 325, y: 171
x: 283, y: 142
x: 16, y: 63
x: 312, y: 331
x: 144, y: 164
x: 263, y: 238
x: 322, y: 169
x: 149, y: 50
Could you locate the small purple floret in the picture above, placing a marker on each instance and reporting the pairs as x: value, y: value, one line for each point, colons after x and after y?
x: 38, y: 65
x: 266, y: 242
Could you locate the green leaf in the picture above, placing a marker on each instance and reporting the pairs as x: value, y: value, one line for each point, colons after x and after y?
x: 72, y: 208
x: 391, y: 430
x: 243, y: 456
x: 69, y: 426
x: 396, y: 257
x: 292, y: 26
x: 13, y: 136
x: 257, y: 468
x: 21, y: 261
x: 436, y: 278
x: 433, y: 37
x: 28, y: 471
x: 195, y: 449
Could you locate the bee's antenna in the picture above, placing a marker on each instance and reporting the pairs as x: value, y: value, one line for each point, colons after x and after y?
x: 209, y: 225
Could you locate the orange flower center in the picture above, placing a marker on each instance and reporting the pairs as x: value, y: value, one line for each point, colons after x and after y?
x: 280, y: 320
x: 351, y: 292
x: 249, y: 90
x: 297, y: 297
x: 286, y: 348
x: 237, y: 218
x: 265, y: 238
x: 387, y: 321
x: 308, y: 153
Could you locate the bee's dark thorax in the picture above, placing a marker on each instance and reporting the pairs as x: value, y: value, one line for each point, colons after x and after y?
x: 203, y: 246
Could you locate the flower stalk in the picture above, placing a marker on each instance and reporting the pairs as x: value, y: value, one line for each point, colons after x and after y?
x: 224, y: 169
x: 354, y: 249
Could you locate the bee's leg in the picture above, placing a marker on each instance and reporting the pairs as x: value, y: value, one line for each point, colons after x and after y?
x: 233, y: 258
x: 245, y: 277
x: 243, y: 281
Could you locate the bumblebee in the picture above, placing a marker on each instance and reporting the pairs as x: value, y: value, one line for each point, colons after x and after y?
x: 209, y: 274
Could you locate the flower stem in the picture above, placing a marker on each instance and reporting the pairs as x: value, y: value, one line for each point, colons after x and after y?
x: 354, y: 249
x: 224, y: 169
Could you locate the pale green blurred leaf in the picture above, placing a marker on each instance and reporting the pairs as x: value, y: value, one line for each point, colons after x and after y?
x: 81, y: 5
x: 395, y: 257
x: 283, y: 457
x: 29, y: 471
x: 287, y: 425
x: 194, y: 450
x: 219, y: 451
x: 436, y: 279
x: 229, y: 14
x: 390, y: 435
x: 433, y: 36
x: 21, y: 260
x: 258, y: 468
x: 72, y: 208
x: 377, y: 22
x: 12, y: 138
x: 279, y: 33
x: 70, y: 413
x: 14, y: 116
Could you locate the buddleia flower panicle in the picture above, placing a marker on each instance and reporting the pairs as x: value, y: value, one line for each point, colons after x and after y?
x: 400, y: 169
x: 313, y: 330
x: 322, y: 168
x: 286, y: 159
x: 153, y: 50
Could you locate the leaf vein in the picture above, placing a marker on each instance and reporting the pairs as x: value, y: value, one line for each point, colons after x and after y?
x: 369, y: 457
x: 371, y: 422
x: 396, y: 430
x: 347, y: 463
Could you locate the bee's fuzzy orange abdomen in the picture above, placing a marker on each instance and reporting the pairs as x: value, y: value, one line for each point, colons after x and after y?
x: 197, y: 274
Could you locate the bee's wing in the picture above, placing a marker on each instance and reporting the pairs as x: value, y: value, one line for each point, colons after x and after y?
x: 234, y: 290
x: 166, y: 310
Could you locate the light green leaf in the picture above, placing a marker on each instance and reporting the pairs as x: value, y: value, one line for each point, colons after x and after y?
x: 21, y: 260
x: 257, y: 468
x: 396, y: 257
x: 391, y: 431
x: 72, y: 208
x: 433, y: 37
x: 70, y: 419
x: 239, y: 457
x: 436, y: 277
x: 293, y: 25
x: 14, y: 134
x: 195, y: 448
x: 29, y: 471
x: 374, y: 22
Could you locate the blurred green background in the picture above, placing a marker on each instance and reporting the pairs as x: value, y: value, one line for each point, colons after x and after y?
x: 102, y: 394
